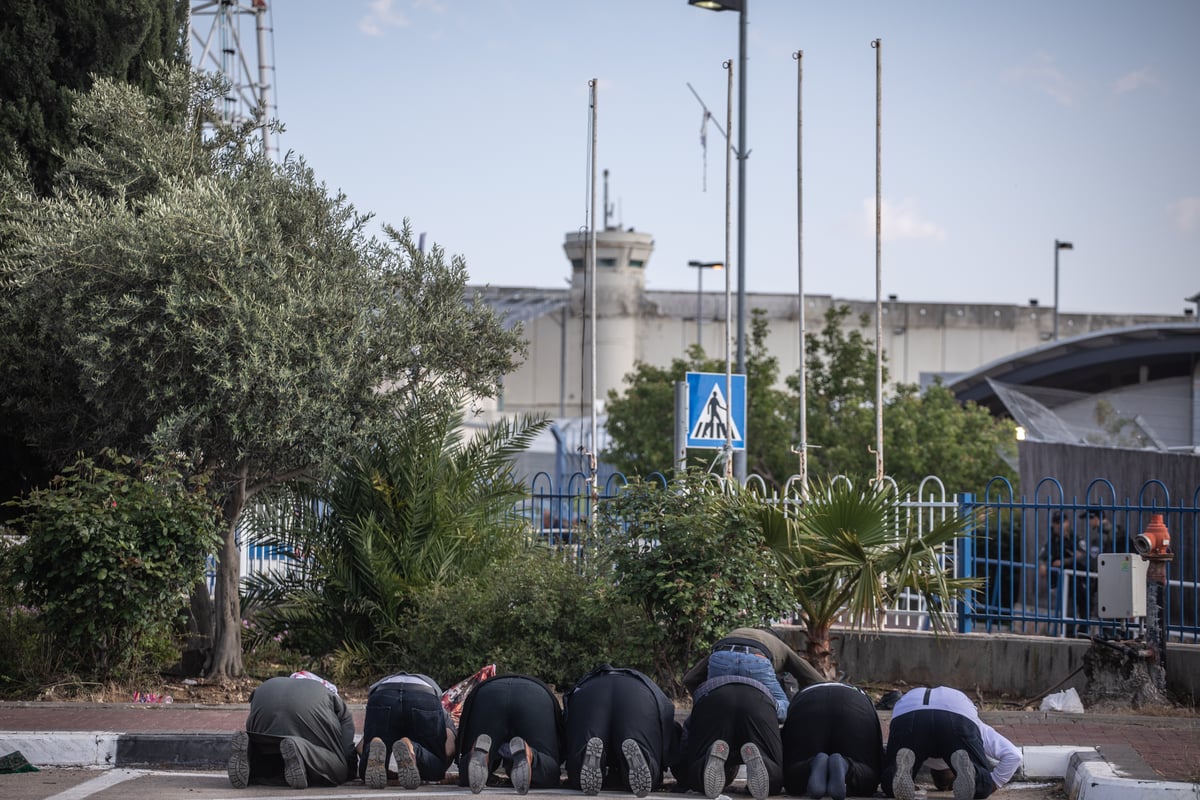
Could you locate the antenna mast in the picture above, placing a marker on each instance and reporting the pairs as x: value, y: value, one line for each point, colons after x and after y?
x: 215, y: 42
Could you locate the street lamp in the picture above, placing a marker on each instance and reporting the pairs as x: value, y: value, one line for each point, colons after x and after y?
x: 700, y: 267
x: 739, y: 456
x: 1058, y: 246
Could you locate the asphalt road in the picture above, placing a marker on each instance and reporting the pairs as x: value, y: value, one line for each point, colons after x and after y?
x: 126, y: 784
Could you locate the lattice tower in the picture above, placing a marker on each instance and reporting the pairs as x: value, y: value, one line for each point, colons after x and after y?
x: 237, y: 41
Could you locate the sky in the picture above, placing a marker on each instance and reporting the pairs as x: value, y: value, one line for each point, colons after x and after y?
x: 1004, y: 127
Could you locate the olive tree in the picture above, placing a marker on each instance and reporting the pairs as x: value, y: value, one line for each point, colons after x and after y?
x: 180, y: 292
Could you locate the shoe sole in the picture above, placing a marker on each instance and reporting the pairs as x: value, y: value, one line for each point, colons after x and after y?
x: 375, y: 775
x: 640, y: 781
x: 477, y: 766
x: 714, y: 769
x: 591, y: 778
x: 239, y: 760
x: 757, y: 780
x: 293, y: 767
x: 407, y: 773
x: 902, y: 783
x: 964, y: 775
x: 521, y: 773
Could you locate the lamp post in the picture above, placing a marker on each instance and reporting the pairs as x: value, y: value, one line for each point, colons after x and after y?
x: 700, y: 267
x: 1058, y: 246
x: 739, y: 456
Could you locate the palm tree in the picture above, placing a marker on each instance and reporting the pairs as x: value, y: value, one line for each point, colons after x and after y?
x: 847, y: 554
x: 420, y: 509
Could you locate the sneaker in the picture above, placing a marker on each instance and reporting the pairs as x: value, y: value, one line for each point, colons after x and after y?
x: 758, y: 782
x: 406, y: 764
x: 591, y: 777
x: 714, y: 768
x: 520, y: 772
x: 477, y: 766
x: 836, y: 785
x: 964, y: 775
x: 293, y: 766
x: 818, y: 768
x: 902, y: 782
x: 239, y: 760
x: 640, y: 782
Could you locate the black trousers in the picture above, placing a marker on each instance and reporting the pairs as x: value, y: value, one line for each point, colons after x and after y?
x: 833, y: 718
x: 738, y: 714
x: 614, y: 705
x: 513, y: 705
x: 933, y: 733
x: 398, y: 710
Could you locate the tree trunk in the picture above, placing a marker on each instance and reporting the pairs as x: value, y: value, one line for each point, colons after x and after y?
x: 226, y: 661
x: 819, y: 650
x: 195, y: 659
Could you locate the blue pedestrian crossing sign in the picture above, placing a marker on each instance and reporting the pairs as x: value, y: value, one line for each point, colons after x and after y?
x: 707, y: 406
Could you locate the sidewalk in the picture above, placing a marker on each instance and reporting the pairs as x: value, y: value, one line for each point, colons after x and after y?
x: 1098, y: 756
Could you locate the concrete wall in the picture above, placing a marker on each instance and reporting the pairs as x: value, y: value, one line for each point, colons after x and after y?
x: 999, y: 664
x: 655, y: 327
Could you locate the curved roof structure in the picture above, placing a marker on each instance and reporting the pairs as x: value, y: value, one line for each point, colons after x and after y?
x: 1089, y: 364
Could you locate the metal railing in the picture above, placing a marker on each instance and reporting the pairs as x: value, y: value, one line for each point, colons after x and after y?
x: 1005, y: 544
x: 1009, y: 544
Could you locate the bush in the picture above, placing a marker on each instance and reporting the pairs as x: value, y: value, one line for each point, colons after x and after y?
x: 27, y: 662
x: 693, y: 558
x: 108, y: 556
x: 534, y: 614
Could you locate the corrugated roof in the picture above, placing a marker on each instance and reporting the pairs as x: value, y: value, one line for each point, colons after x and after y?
x: 515, y: 305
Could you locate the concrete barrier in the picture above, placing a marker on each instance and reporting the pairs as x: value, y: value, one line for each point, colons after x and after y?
x: 996, y: 663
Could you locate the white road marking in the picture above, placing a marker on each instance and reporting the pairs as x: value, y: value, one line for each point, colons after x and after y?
x: 98, y: 784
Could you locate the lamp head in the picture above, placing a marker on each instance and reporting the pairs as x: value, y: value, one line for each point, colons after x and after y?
x: 717, y: 5
x: 1063, y: 245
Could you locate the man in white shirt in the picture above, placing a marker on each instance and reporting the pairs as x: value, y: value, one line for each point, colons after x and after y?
x: 942, y: 724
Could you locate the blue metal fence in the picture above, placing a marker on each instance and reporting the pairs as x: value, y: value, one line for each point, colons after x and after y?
x: 1016, y: 546
x: 1008, y: 545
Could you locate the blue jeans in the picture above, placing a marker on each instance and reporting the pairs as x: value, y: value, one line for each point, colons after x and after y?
x: 727, y: 662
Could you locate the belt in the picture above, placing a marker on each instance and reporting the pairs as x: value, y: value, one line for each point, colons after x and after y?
x: 740, y: 648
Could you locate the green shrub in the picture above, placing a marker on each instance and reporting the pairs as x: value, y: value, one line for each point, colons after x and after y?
x: 693, y: 559
x: 27, y: 661
x: 108, y: 556
x: 532, y: 614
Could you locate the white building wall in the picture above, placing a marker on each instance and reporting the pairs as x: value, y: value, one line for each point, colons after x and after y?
x: 632, y: 324
x: 919, y: 339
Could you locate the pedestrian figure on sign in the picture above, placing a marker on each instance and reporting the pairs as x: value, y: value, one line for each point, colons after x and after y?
x: 715, y: 418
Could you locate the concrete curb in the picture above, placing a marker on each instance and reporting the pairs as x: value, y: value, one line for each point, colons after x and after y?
x: 1090, y: 777
x: 1085, y: 772
x: 105, y: 749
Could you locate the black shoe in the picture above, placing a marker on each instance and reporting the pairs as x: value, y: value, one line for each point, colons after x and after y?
x: 239, y: 760
x: 714, y: 768
x: 521, y: 772
x: 591, y: 777
x: 477, y: 765
x: 758, y: 782
x: 293, y: 766
x: 640, y: 781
